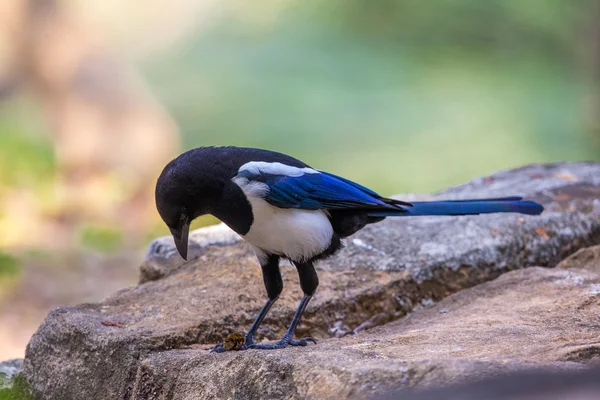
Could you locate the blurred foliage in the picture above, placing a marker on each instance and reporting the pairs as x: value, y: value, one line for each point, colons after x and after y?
x: 9, y: 265
x: 16, y: 389
x: 504, y: 28
x: 10, y: 268
x: 101, y: 238
x: 26, y: 159
x: 399, y: 95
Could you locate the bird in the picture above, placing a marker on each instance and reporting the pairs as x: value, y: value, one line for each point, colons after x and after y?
x: 285, y: 209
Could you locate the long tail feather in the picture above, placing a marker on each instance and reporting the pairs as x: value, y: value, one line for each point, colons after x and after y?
x: 465, y: 207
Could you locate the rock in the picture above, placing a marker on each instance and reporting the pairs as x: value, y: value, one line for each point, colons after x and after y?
x: 530, y: 385
x: 530, y: 318
x: 162, y: 256
x: 525, y: 319
x: 588, y: 258
x: 141, y: 342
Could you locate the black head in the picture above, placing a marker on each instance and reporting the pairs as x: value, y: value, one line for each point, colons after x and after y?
x: 173, y: 206
x: 186, y: 189
x: 199, y: 182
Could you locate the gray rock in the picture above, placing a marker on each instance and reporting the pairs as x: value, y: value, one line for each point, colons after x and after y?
x: 162, y: 257
x: 587, y: 258
x: 535, y: 318
x: 530, y: 385
x: 141, y: 342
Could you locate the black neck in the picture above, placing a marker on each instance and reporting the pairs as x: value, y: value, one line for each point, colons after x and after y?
x: 233, y: 209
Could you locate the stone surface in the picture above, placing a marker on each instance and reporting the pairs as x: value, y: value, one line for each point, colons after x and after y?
x: 141, y: 342
x: 530, y: 385
x: 524, y: 319
x: 162, y: 256
x: 588, y: 258
x: 530, y: 318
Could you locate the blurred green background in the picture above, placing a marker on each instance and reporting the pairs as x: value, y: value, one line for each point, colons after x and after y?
x: 402, y: 96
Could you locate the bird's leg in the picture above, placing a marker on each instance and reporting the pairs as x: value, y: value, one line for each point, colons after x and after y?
x: 274, y: 286
x: 308, y: 282
x: 287, y: 340
x: 249, y: 338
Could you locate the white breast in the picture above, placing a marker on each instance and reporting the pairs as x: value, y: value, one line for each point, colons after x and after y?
x: 296, y: 234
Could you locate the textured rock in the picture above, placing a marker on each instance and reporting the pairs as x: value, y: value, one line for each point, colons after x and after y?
x: 140, y: 342
x: 530, y: 385
x: 530, y: 318
x: 527, y: 318
x: 588, y: 258
x: 162, y: 256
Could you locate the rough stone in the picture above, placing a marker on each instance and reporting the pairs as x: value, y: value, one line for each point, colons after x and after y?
x: 141, y: 342
x: 587, y: 258
x: 529, y: 385
x: 162, y: 256
x: 526, y: 319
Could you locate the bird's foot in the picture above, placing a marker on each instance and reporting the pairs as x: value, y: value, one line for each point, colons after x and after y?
x: 283, y: 343
x: 218, y: 348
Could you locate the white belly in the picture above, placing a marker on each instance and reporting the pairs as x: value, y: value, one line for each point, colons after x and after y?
x: 296, y: 234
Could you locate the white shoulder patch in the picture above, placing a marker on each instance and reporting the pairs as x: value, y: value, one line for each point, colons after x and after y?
x: 251, y: 188
x: 275, y: 168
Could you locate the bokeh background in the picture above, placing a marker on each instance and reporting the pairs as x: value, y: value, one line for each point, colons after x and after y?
x: 400, y: 95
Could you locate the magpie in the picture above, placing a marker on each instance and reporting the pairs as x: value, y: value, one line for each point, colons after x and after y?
x: 284, y: 209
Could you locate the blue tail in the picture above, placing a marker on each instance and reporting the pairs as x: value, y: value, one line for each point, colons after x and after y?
x: 465, y: 207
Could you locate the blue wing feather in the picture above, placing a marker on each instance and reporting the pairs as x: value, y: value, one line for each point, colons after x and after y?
x: 354, y: 184
x: 318, y: 191
x: 322, y: 190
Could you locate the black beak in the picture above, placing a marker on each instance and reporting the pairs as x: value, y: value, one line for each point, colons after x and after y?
x: 180, y: 236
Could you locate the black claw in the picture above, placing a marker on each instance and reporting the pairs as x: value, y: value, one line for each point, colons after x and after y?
x: 300, y: 342
x: 303, y: 342
x: 220, y: 348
